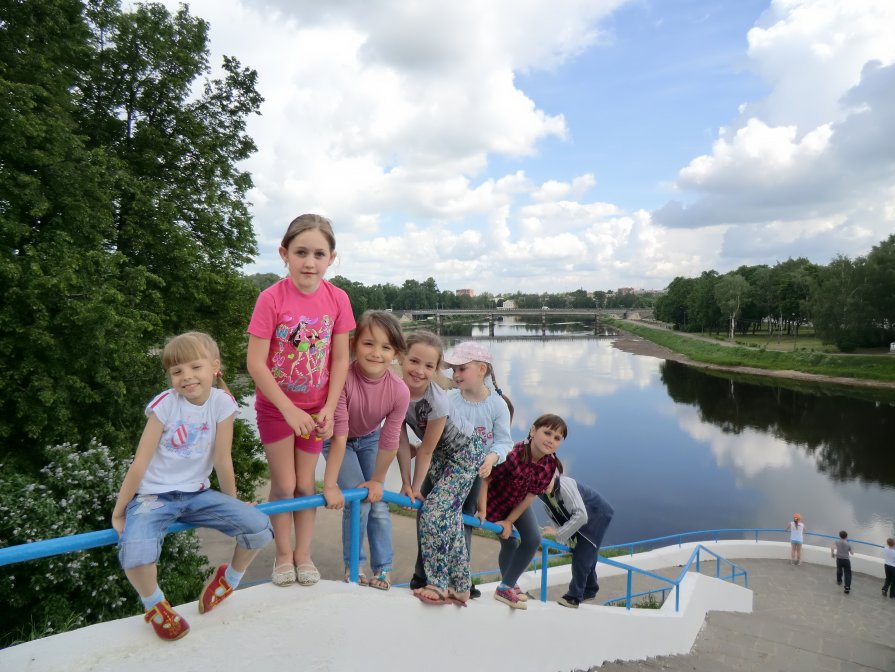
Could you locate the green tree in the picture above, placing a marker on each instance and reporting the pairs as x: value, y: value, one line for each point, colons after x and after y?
x: 261, y: 281
x: 73, y: 343
x: 703, y: 313
x: 730, y: 293
x: 123, y: 220
x: 879, y: 290
x: 672, y: 306
x: 840, y: 312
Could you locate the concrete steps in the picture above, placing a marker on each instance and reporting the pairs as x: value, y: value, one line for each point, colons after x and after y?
x: 802, y: 621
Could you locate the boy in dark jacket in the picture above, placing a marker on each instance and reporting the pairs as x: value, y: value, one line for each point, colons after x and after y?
x: 581, y: 517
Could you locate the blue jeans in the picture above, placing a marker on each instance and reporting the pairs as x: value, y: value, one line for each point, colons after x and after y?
x: 147, y: 518
x: 584, y: 560
x: 375, y: 520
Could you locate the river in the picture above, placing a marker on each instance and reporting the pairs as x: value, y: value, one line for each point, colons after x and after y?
x: 674, y: 448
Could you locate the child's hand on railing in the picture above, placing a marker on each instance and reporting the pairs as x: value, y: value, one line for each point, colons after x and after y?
x: 407, y: 491
x: 333, y: 496
x: 375, y: 491
x: 118, y: 522
x: 480, y: 514
x: 507, y: 529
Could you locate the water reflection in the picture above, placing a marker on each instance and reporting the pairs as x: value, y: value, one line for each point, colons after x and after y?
x: 846, y: 436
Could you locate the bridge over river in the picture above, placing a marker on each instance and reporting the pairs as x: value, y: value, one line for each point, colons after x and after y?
x: 495, y: 315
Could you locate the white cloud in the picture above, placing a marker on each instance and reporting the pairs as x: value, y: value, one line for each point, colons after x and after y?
x: 390, y: 118
x: 810, y: 168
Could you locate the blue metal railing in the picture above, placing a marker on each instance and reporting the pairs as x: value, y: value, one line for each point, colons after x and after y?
x: 79, y: 542
x: 715, y: 536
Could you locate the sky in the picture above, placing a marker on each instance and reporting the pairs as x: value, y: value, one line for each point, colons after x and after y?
x: 551, y: 145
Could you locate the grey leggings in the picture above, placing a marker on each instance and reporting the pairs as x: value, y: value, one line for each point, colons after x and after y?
x: 516, y: 554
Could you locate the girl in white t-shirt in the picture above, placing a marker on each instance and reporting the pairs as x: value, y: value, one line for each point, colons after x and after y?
x: 189, y: 431
x: 796, y: 529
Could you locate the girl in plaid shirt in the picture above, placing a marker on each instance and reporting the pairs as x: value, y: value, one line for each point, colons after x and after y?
x: 506, y: 497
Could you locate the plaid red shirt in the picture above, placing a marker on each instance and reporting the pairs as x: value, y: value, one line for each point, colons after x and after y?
x: 515, y: 478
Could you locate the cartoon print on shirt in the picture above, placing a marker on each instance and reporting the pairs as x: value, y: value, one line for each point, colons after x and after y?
x: 317, y: 354
x: 181, y: 440
x: 300, y: 343
x: 422, y: 410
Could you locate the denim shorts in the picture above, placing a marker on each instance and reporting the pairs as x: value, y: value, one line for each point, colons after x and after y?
x: 147, y: 518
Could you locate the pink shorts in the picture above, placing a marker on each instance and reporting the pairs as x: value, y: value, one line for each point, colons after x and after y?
x: 272, y: 427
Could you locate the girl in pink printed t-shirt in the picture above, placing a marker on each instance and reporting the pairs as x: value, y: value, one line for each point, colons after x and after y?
x: 298, y: 358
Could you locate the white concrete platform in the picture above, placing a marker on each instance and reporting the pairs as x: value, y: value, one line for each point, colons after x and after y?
x: 337, y: 626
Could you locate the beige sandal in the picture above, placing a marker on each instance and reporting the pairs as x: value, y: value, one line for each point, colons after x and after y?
x: 384, y: 578
x: 361, y: 578
x: 306, y: 574
x: 283, y: 575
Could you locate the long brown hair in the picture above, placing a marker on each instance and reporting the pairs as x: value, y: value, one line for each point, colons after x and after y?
x: 425, y: 337
x: 309, y: 222
x: 385, y: 321
x: 549, y: 420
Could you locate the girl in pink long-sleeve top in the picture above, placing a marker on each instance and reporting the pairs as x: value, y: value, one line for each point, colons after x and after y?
x: 373, y: 397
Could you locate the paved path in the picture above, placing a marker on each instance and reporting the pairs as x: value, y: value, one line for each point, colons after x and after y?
x: 802, y: 621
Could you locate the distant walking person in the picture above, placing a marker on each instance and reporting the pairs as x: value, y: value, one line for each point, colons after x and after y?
x: 796, y: 529
x: 889, y: 559
x: 841, y: 550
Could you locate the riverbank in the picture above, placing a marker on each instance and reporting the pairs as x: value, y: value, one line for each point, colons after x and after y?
x: 876, y: 371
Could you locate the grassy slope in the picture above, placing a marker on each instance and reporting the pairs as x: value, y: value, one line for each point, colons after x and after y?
x: 870, y: 367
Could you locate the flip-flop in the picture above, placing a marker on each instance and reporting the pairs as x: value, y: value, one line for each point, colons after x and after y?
x: 453, y: 599
x: 361, y: 578
x: 435, y: 601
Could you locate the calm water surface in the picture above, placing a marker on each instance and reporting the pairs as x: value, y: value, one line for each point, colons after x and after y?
x: 675, y: 449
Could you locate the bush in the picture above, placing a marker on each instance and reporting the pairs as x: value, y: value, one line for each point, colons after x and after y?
x: 74, y: 493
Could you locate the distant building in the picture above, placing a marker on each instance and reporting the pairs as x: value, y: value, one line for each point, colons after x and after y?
x: 508, y: 304
x: 625, y: 290
x: 465, y: 292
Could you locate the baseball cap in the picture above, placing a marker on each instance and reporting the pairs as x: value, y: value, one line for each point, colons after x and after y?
x: 465, y: 352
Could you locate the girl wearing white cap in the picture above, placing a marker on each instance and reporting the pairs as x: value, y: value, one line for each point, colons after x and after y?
x: 490, y: 413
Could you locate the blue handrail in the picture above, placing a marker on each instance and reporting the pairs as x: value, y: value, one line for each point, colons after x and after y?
x: 679, y: 537
x: 79, y: 542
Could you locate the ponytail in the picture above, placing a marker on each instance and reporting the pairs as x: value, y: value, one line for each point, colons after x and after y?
x: 219, y: 376
x: 502, y: 395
